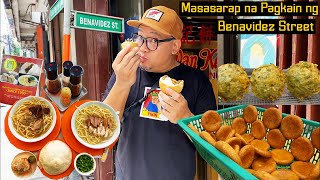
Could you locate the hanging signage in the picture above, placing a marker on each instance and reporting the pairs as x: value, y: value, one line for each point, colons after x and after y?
x: 55, y: 9
x: 97, y: 22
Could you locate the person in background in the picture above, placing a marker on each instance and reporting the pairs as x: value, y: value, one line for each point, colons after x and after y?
x: 148, y: 148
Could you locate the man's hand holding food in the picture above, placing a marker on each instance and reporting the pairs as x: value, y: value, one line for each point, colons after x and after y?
x: 174, y: 106
x: 125, y: 66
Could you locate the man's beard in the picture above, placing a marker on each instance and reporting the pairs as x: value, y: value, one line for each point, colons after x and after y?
x: 147, y: 69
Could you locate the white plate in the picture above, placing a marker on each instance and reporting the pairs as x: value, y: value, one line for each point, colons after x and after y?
x: 107, y: 142
x: 14, y: 108
x: 27, y: 76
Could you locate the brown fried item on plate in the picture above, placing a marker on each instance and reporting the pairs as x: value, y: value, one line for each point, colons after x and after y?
x: 302, y: 149
x: 258, y: 130
x: 263, y: 145
x: 262, y: 175
x: 246, y: 155
x: 302, y: 169
x: 21, y: 165
x: 272, y: 118
x: 225, y: 132
x: 211, y: 120
x: 282, y: 156
x: 250, y: 114
x: 239, y: 125
x: 228, y: 151
x: 285, y: 174
x: 193, y: 128
x: 315, y: 138
x: 276, y: 139
x: 291, y: 127
x: 264, y: 164
x: 206, y: 136
x: 251, y: 171
x: 247, y: 137
x: 315, y: 173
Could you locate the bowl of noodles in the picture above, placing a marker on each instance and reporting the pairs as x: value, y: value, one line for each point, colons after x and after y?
x: 95, y: 125
x: 32, y: 119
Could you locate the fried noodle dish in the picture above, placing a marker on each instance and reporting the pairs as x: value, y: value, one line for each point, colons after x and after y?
x: 32, y: 118
x: 95, y: 124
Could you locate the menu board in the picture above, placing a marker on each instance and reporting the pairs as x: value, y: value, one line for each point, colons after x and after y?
x: 19, y: 77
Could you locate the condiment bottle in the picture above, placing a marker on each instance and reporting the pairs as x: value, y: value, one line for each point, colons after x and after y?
x: 66, y: 73
x: 75, y: 84
x: 65, y: 96
x: 52, y: 82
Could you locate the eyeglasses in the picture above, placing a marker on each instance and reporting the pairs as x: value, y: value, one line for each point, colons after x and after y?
x: 152, y: 43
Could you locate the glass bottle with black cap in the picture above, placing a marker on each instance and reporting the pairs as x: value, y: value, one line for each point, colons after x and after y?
x: 66, y: 73
x: 75, y: 84
x: 52, y: 82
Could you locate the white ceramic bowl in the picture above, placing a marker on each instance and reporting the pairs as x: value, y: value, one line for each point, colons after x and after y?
x: 86, y: 173
x: 14, y: 108
x: 28, y: 76
x: 107, y: 142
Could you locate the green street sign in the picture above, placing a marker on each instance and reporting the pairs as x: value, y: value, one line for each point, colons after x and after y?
x: 97, y: 22
x: 55, y: 9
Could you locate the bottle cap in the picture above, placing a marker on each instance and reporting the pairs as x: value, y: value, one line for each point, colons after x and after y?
x: 51, y: 70
x: 66, y: 68
x: 76, y: 73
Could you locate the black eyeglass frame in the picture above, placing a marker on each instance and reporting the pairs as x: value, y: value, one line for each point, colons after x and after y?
x: 144, y: 39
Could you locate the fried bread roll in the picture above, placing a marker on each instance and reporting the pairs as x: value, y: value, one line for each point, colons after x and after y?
x: 315, y: 138
x: 272, y: 118
x: 129, y: 42
x: 239, y: 125
x: 228, y: 151
x: 211, y: 121
x: 167, y: 82
x: 250, y: 114
x: 247, y: 137
x: 194, y: 129
x: 285, y: 174
x: 206, y: 136
x: 282, y: 156
x: 246, y: 155
x: 258, y: 130
x: 264, y: 164
x: 302, y: 149
x: 291, y: 127
x: 225, y: 132
x: 302, y: 169
x: 262, y: 175
x: 276, y: 139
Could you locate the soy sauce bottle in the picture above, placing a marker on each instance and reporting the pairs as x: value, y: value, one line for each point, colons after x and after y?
x: 52, y: 81
x: 75, y: 84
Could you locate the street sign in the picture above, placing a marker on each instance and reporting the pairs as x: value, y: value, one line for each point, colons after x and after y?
x: 97, y: 22
x: 55, y: 9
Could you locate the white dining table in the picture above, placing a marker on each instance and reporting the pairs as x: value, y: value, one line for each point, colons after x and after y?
x: 8, y: 152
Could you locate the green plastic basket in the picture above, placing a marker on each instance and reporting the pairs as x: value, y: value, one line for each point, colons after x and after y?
x: 226, y: 167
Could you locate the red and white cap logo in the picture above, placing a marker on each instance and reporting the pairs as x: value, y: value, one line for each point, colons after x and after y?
x: 154, y: 14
